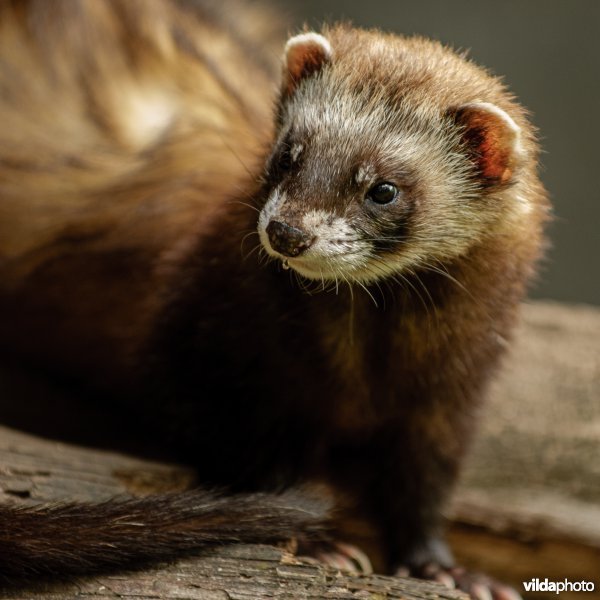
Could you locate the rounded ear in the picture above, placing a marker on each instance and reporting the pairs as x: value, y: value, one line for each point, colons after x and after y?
x: 305, y: 54
x: 492, y: 139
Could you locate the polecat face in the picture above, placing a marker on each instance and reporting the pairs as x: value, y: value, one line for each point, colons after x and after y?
x: 369, y: 178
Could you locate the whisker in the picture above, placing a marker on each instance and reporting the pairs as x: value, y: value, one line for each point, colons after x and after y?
x: 253, y: 232
x: 254, y: 208
x: 256, y: 248
x: 377, y: 260
x: 444, y: 273
x: 237, y: 156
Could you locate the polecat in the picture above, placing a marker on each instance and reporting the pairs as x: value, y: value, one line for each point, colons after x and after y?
x: 401, y: 214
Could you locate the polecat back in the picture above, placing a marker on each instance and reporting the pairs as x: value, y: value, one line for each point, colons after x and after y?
x: 124, y: 124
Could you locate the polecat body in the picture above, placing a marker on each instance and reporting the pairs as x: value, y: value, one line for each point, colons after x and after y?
x: 401, y: 204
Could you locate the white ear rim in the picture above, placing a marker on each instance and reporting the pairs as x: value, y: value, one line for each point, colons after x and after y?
x: 513, y: 130
x: 308, y: 39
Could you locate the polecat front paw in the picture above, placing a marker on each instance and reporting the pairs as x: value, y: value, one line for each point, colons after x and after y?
x: 478, y: 586
x: 338, y: 555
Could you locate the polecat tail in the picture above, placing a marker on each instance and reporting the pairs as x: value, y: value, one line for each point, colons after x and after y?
x: 64, y: 540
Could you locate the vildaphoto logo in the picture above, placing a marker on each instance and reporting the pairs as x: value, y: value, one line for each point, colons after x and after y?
x: 544, y: 585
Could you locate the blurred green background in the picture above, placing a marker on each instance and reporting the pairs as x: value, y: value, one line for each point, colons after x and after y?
x: 548, y: 52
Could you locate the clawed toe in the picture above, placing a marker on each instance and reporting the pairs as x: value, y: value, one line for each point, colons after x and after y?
x: 479, y: 587
x: 338, y: 555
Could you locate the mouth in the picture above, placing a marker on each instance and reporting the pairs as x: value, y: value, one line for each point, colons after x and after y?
x: 305, y: 268
x: 327, y: 270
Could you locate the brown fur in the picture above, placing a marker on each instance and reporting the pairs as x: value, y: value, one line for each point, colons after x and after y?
x: 109, y: 534
x: 124, y: 260
x: 93, y: 198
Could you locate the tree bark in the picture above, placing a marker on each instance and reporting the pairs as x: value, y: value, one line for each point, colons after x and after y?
x: 242, y: 573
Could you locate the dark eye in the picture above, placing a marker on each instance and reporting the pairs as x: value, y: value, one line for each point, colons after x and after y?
x: 382, y: 193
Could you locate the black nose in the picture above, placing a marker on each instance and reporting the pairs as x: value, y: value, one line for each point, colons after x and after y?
x: 288, y: 240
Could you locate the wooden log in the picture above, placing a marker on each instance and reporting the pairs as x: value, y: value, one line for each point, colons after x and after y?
x: 35, y: 470
x: 243, y: 573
